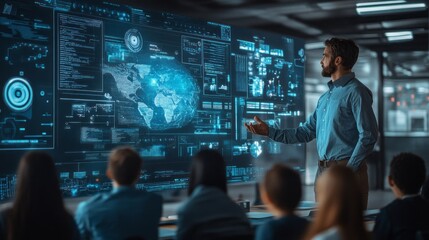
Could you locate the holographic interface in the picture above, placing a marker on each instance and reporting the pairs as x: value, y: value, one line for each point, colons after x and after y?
x: 79, y: 78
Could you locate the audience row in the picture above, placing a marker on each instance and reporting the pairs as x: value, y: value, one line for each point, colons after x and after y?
x: 38, y: 210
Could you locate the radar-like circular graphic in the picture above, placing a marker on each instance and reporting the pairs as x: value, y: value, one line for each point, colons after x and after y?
x: 18, y: 94
x: 133, y: 40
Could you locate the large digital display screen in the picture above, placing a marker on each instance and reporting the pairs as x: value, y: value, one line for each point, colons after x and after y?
x: 79, y: 78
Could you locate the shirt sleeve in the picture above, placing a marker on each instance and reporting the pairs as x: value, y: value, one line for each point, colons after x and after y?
x: 184, y: 224
x: 304, y: 133
x: 81, y: 218
x: 382, y: 226
x: 264, y: 232
x: 361, y: 102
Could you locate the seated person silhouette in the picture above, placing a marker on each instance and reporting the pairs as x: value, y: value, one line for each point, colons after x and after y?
x: 409, y: 212
x: 125, y: 212
x: 339, y: 213
x: 209, y: 213
x: 281, y: 192
x: 38, y: 210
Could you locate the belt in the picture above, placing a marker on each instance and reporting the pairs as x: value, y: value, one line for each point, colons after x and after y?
x: 329, y: 163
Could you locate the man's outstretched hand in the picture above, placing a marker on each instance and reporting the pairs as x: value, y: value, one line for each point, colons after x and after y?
x: 260, y: 128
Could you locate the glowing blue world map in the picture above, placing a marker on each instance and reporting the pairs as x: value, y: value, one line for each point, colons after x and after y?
x: 165, y: 93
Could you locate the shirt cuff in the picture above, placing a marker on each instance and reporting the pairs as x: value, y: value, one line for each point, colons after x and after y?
x: 271, y: 132
x: 353, y: 167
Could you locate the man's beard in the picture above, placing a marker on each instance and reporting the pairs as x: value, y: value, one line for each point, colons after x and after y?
x: 329, y: 70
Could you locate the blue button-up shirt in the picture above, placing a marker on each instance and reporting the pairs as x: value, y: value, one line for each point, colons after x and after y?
x: 343, y: 123
x: 120, y: 214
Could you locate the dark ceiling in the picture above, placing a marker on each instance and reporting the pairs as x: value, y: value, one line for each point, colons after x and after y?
x: 311, y: 20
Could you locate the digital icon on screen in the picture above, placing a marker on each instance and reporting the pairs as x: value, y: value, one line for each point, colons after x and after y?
x: 255, y: 149
x: 133, y: 40
x: 18, y: 94
x: 301, y: 60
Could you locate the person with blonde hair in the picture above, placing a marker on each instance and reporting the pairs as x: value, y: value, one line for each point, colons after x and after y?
x: 340, y: 209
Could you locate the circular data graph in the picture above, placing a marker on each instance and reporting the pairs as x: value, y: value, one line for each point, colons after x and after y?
x: 18, y: 94
x: 133, y: 40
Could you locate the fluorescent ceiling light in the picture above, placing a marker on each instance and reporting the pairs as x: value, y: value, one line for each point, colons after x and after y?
x: 315, y: 45
x: 398, y: 36
x: 390, y: 8
x: 378, y: 3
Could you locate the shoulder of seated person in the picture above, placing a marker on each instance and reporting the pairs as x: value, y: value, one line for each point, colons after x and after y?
x: 268, y: 224
x: 5, y: 211
x: 135, y: 193
x: 399, y: 204
x: 289, y: 219
x: 327, y: 234
x: 153, y: 196
x: 193, y: 203
x: 92, y: 200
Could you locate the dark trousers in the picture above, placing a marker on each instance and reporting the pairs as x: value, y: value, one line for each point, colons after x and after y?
x: 361, y: 174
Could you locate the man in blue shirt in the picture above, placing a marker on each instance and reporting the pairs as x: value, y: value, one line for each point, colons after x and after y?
x: 124, y: 212
x: 343, y: 123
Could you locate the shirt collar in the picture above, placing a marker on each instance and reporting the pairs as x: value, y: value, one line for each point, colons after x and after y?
x: 122, y: 189
x: 410, y: 196
x: 197, y: 189
x: 341, y: 81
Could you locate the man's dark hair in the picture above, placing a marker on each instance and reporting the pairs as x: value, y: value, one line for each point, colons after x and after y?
x: 408, y: 171
x: 125, y: 165
x: 283, y: 186
x: 344, y: 48
x: 208, y: 169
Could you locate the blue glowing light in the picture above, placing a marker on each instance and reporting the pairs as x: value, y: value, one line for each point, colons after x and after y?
x: 18, y: 94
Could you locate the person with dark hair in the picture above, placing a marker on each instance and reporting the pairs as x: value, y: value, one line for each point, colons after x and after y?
x: 38, y: 210
x: 209, y: 213
x: 408, y: 214
x: 124, y: 213
x: 343, y: 123
x: 281, y: 192
x: 340, y: 209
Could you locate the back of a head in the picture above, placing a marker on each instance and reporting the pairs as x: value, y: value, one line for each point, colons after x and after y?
x: 283, y: 186
x: 340, y: 204
x: 38, y: 205
x: 344, y: 48
x: 208, y: 169
x: 37, y: 177
x: 408, y: 171
x: 124, y: 165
